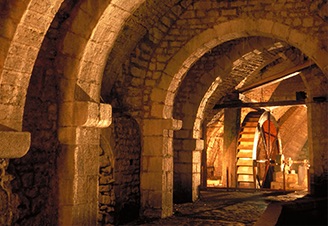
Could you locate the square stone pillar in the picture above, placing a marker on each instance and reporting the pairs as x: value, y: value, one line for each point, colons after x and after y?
x: 78, y: 169
x: 187, y: 169
x: 156, y: 174
x: 317, y: 112
x: 78, y: 165
x: 230, y: 136
x: 318, y: 147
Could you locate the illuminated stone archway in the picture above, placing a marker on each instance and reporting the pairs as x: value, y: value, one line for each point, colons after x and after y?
x: 194, y: 49
x: 22, y: 33
x: 80, y: 87
x: 195, y: 100
x: 81, y: 54
x: 16, y: 66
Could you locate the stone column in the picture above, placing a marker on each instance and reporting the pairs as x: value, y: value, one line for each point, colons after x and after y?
x: 156, y: 176
x: 231, y: 130
x: 77, y: 162
x: 317, y: 111
x: 187, y: 169
x: 13, y: 145
x: 318, y: 143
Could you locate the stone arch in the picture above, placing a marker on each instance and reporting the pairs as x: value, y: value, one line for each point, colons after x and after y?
x: 22, y: 52
x: 81, y: 115
x: 23, y: 27
x: 234, y: 29
x: 195, y: 48
x: 195, y: 93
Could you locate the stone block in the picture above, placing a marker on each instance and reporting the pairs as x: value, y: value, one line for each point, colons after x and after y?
x: 66, y: 195
x: 14, y: 144
x: 184, y: 156
x: 193, y: 144
x: 276, y: 185
x: 158, y: 95
x: 65, y: 215
x: 153, y: 145
x: 81, y: 190
x: 86, y: 114
x: 278, y: 176
x: 105, y: 115
x: 150, y: 163
x: 151, y: 181
x: 182, y: 168
x: 292, y: 178
x: 66, y: 162
x: 168, y: 164
x: 67, y: 135
x: 156, y: 126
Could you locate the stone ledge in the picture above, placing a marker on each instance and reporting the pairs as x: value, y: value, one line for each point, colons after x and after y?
x: 14, y: 144
x: 155, y: 127
x: 86, y: 114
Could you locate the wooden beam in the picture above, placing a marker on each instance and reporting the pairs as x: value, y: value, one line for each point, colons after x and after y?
x: 277, y: 77
x: 259, y: 104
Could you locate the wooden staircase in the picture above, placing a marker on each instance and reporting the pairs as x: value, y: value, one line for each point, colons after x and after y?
x: 245, y: 164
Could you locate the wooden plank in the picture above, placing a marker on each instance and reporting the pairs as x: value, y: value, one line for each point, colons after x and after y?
x: 277, y: 77
x: 260, y: 104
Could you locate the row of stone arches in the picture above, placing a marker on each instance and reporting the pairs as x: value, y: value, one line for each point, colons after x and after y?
x: 65, y: 77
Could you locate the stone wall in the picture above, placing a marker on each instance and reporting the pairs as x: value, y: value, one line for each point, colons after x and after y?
x: 8, y: 201
x: 35, y: 173
x: 119, y: 181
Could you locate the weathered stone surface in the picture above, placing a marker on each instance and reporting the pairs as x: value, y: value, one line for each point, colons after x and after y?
x: 14, y: 144
x: 119, y: 171
x: 149, y: 60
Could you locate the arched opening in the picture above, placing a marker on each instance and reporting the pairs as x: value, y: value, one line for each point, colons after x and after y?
x: 163, y: 65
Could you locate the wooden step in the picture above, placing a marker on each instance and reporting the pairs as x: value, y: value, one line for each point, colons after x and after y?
x: 245, y: 154
x: 246, y: 139
x: 247, y: 135
x: 246, y: 144
x: 245, y: 178
x: 245, y: 162
x: 245, y: 147
x: 250, y: 124
x: 246, y: 184
x: 249, y: 129
x: 246, y: 170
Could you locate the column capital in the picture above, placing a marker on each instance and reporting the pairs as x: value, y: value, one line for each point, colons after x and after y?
x: 156, y: 126
x: 14, y: 144
x: 86, y: 114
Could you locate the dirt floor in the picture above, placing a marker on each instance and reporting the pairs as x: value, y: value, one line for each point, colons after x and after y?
x: 221, y: 207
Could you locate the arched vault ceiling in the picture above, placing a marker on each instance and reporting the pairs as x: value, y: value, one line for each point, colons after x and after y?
x: 161, y: 39
x: 226, y: 68
x: 184, y: 31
